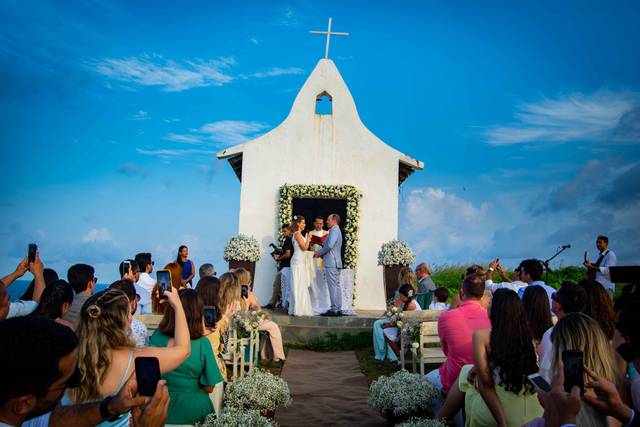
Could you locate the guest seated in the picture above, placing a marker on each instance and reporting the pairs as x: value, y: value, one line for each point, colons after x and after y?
x: 405, y: 301
x: 228, y: 304
x: 500, y: 393
x: 139, y: 332
x: 530, y: 271
x: 456, y: 328
x: 536, y: 306
x: 82, y: 280
x: 577, y: 331
x: 23, y: 308
x: 440, y: 297
x: 41, y: 365
x: 507, y: 283
x: 406, y: 275
x: 599, y: 306
x: 55, y: 302
x: 251, y: 303
x: 206, y: 270
x: 570, y: 298
x: 49, y: 275
x: 486, y: 297
x: 192, y: 381
x: 106, y: 353
x: 208, y: 288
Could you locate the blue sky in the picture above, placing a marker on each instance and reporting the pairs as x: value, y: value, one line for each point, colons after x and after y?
x: 527, y: 116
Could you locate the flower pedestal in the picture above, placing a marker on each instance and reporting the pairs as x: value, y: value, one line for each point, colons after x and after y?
x: 250, y: 266
x: 391, y: 284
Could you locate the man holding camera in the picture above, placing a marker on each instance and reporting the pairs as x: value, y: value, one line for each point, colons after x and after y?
x: 282, y: 282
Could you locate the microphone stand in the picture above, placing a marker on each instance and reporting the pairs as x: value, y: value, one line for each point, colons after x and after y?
x: 546, y: 262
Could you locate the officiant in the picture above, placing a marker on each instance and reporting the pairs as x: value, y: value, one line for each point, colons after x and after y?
x: 318, y: 235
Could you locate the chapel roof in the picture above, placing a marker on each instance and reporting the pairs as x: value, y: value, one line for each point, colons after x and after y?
x: 323, y: 80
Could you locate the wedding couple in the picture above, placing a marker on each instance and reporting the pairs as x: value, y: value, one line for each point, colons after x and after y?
x: 303, y: 267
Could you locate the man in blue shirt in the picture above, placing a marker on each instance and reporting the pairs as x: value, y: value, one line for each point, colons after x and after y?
x: 530, y: 272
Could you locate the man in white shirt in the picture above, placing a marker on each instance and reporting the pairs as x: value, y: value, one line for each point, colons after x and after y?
x: 506, y: 283
x: 145, y: 284
x: 22, y: 308
x: 599, y: 270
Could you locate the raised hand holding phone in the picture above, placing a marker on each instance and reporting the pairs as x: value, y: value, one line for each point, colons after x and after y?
x: 171, y: 295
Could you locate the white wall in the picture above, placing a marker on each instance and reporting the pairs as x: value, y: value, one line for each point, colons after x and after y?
x: 344, y: 152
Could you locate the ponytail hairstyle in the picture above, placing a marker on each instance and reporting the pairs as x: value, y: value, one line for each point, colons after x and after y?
x: 53, y: 299
x: 297, y: 219
x: 103, y: 327
x: 180, y: 250
x: 408, y: 291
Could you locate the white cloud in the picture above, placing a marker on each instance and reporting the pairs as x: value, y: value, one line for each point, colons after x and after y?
x: 154, y: 70
x: 141, y: 115
x: 604, y: 115
x: 97, y: 235
x: 221, y: 133
x: 288, y: 17
x: 442, y: 226
x: 174, y: 76
x: 254, y: 40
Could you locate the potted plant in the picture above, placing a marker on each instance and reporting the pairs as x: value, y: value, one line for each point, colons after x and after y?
x: 393, y: 256
x: 401, y: 396
x: 242, y: 251
x: 233, y: 417
x: 259, y: 391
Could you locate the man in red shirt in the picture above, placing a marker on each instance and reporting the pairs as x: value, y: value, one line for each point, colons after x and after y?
x: 455, y: 328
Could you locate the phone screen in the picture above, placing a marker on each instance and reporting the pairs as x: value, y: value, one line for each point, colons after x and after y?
x: 31, y: 255
x: 210, y: 317
x: 573, y: 370
x: 126, y: 267
x: 164, y: 281
x: 245, y: 291
x: 539, y: 382
x: 147, y: 375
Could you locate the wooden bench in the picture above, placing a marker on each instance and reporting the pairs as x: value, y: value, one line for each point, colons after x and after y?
x: 428, y: 351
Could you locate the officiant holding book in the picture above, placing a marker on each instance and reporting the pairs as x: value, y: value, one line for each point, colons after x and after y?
x: 318, y: 235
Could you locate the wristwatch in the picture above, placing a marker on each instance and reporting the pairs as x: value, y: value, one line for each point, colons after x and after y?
x: 104, y: 409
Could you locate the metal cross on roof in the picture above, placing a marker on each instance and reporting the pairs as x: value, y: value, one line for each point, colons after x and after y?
x: 329, y: 34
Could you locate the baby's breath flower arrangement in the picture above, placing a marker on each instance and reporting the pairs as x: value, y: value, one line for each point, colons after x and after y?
x: 401, y: 394
x: 233, y: 417
x: 422, y: 422
x: 259, y: 390
x: 396, y: 252
x: 242, y: 248
x: 246, y: 322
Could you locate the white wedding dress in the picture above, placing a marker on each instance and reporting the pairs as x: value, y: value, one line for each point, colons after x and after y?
x: 303, y: 275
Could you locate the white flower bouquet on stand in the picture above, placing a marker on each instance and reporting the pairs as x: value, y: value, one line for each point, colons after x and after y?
x: 243, y: 251
x: 401, y: 395
x: 233, y: 417
x: 393, y: 256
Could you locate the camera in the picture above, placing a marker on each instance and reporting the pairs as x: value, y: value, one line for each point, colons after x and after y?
x: 277, y: 250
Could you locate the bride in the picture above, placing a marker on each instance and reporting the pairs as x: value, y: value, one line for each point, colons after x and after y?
x: 303, y: 271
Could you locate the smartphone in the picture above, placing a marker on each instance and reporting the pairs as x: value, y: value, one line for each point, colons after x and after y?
x: 573, y: 370
x: 147, y: 375
x: 586, y: 255
x: 164, y: 281
x: 31, y: 254
x: 210, y: 316
x: 626, y: 352
x: 537, y: 380
x: 245, y: 291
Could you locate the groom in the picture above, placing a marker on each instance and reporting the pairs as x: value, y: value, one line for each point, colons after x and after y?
x: 331, y: 254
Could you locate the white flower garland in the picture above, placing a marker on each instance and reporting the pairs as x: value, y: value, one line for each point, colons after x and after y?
x: 396, y: 252
x: 242, y: 248
x: 351, y: 223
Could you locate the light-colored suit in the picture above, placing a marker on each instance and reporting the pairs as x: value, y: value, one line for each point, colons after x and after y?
x: 331, y: 254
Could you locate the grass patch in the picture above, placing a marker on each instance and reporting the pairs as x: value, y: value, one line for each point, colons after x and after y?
x: 334, y: 342
x: 372, y: 368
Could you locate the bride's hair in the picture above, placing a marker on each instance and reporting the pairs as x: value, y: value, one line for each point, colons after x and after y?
x: 297, y: 219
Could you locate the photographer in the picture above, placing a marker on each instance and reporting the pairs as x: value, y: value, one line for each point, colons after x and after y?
x: 282, y: 282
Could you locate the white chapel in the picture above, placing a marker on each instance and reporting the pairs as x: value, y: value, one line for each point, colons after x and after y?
x: 345, y: 153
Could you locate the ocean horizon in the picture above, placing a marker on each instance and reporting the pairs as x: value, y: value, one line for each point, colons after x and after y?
x: 17, y: 288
